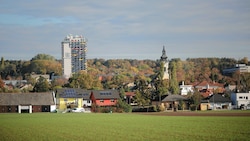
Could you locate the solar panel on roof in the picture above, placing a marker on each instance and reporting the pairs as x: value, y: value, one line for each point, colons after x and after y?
x: 105, y: 93
x: 85, y: 94
x: 70, y: 92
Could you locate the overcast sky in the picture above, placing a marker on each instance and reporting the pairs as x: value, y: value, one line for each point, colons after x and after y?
x: 127, y: 29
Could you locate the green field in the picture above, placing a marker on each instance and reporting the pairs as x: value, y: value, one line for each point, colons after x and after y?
x: 119, y: 127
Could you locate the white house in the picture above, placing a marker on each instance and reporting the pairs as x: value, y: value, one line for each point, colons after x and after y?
x: 185, y: 89
x: 240, y: 99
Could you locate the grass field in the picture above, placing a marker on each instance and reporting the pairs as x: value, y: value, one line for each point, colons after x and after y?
x: 121, y: 127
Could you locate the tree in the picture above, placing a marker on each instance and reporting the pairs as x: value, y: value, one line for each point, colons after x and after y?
x: 42, y: 85
x: 123, y: 106
x: 245, y: 82
x: 2, y: 64
x: 174, y: 87
x: 196, y: 99
x: 1, y: 83
x: 244, y: 60
x: 160, y: 86
x: 43, y: 57
x: 84, y: 81
x: 143, y: 93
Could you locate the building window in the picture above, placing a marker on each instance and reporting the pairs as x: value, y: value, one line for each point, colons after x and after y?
x: 101, y: 100
x: 112, y: 100
x: 246, y: 97
x: 240, y: 97
x: 88, y: 101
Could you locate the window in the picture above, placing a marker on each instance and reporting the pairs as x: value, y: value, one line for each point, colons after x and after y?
x: 112, y: 100
x: 246, y: 97
x: 88, y: 101
x: 240, y: 97
x: 101, y: 100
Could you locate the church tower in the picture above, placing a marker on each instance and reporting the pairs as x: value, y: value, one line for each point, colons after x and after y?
x: 164, y: 60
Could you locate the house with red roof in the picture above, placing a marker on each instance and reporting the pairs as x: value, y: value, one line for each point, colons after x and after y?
x: 208, y: 88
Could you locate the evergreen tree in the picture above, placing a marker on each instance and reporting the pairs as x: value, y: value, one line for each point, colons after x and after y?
x: 174, y: 87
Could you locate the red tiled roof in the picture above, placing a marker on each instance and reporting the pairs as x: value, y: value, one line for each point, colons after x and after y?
x: 205, y: 83
x: 130, y: 93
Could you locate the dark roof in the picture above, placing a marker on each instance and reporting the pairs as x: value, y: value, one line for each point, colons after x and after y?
x: 73, y: 93
x: 106, y: 94
x: 174, y: 97
x: 157, y: 98
x: 27, y: 99
x: 215, y: 98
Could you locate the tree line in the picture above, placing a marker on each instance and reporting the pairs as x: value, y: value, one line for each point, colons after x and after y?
x: 117, y: 73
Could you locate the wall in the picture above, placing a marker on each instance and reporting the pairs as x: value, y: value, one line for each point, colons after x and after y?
x: 106, y: 102
x: 63, y: 102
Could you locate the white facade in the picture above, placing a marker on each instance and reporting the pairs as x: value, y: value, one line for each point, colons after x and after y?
x: 166, y: 74
x: 87, y: 103
x: 185, y: 89
x: 240, y: 99
x: 73, y: 55
x: 66, y: 59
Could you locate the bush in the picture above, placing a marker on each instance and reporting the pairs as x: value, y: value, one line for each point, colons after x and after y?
x: 155, y: 108
x: 123, y: 106
x: 160, y: 108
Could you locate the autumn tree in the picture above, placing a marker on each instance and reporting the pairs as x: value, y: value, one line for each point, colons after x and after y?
x: 43, y: 57
x: 196, y: 99
x: 143, y: 92
x: 84, y: 81
x: 42, y: 85
x: 1, y: 83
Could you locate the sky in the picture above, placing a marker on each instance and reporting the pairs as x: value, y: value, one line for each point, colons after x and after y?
x: 126, y: 29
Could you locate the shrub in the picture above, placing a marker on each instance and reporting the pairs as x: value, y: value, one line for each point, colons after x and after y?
x: 122, y: 106
x: 160, y: 108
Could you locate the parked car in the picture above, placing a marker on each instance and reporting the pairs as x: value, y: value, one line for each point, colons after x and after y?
x: 78, y: 110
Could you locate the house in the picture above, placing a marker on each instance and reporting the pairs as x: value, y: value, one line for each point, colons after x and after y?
x: 185, y: 89
x: 215, y: 101
x: 15, y: 83
x: 27, y: 102
x: 174, y: 102
x: 129, y: 96
x: 104, y: 97
x: 68, y: 98
x: 240, y: 100
x: 208, y: 88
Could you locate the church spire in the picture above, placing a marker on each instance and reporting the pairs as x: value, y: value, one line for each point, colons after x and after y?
x: 164, y: 56
x: 164, y: 60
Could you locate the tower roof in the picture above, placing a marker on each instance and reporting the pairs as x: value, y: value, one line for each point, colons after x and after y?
x: 164, y: 56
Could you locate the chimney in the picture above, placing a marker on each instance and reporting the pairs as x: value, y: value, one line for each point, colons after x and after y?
x: 207, y: 86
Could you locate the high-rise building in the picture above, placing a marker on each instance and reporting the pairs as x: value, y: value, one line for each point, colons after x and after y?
x: 73, y: 54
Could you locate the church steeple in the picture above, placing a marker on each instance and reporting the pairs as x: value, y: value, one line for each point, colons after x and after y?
x: 164, y: 60
x: 164, y: 56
